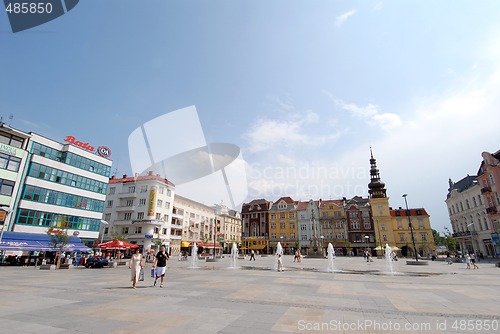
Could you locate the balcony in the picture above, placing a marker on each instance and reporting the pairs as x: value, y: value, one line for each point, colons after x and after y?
x: 127, y: 195
x: 125, y: 208
x: 178, y: 216
x: 175, y: 237
x: 491, y: 210
x: 485, y: 190
x: 176, y: 227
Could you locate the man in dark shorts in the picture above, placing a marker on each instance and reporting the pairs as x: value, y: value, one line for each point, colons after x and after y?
x: 160, y: 263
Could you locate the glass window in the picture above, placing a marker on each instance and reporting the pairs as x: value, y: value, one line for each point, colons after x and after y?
x: 6, y: 187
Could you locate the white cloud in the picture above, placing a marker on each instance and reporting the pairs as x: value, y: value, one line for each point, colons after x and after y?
x: 341, y: 19
x: 378, y: 6
x: 370, y: 113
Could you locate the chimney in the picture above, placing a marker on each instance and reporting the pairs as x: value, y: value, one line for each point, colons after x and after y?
x: 124, y: 176
x: 150, y: 173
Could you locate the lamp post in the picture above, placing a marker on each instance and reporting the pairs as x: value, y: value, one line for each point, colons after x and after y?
x: 411, y: 227
x: 366, y: 242
x: 471, y: 241
x: 220, y: 210
x: 103, y: 222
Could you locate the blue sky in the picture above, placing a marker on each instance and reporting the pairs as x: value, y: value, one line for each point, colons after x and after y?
x: 305, y: 88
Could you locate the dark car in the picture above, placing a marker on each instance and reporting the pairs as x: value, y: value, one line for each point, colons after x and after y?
x: 96, y: 262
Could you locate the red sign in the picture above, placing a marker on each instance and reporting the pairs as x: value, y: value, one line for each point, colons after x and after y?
x: 72, y: 140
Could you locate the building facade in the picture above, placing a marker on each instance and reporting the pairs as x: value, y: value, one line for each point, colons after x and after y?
x: 489, y: 178
x: 283, y: 225
x: 139, y: 209
x: 255, y: 220
x: 468, y: 218
x: 64, y: 187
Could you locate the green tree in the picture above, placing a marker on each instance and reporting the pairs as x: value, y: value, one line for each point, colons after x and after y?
x: 58, y: 238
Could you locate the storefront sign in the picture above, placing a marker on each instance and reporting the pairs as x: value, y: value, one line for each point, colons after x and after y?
x: 152, y: 201
x: 103, y: 151
x: 7, y: 149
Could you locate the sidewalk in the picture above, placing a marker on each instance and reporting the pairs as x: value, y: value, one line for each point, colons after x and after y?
x: 358, y: 297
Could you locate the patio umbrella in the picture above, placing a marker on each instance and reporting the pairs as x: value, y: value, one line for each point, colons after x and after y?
x: 117, y: 244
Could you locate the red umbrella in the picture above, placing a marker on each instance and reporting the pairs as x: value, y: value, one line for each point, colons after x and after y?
x: 116, y: 244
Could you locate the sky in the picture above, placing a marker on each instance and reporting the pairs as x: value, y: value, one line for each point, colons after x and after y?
x: 304, y: 88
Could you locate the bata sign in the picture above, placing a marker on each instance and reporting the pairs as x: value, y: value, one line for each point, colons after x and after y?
x: 103, y: 151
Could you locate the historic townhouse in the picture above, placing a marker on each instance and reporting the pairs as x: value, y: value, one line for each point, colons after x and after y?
x: 468, y: 216
x: 359, y: 225
x: 309, y: 228
x: 255, y: 219
x: 283, y: 225
x: 334, y: 225
x: 489, y: 178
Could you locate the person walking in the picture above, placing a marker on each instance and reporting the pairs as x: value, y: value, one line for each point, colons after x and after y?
x: 280, y: 263
x: 473, y: 261
x: 252, y: 255
x: 296, y: 257
x: 467, y: 260
x: 160, y: 265
x: 136, y: 266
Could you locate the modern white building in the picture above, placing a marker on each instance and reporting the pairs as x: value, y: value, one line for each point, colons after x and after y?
x: 139, y: 209
x: 64, y: 186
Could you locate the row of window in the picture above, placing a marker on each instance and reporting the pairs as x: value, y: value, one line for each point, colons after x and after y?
x: 282, y: 216
x: 71, y: 159
x: 144, y: 189
x: 42, y: 195
x: 9, y: 162
x: 454, y: 208
x: 282, y: 226
x: 73, y: 180
x: 49, y: 219
x: 142, y: 202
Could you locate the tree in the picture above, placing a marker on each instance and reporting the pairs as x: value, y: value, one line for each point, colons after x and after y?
x: 58, y: 238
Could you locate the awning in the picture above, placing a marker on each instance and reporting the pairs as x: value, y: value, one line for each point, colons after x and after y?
x: 22, y: 241
x: 257, y: 247
x: 185, y: 244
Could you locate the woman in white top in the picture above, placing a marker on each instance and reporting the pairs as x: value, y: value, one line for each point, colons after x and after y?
x: 135, y: 266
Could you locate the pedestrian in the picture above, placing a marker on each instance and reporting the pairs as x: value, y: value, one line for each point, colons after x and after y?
x: 467, y: 260
x: 160, y: 265
x: 296, y: 257
x: 136, y: 266
x: 280, y: 263
x: 473, y: 261
x: 448, y: 258
x: 252, y: 255
x: 299, y: 256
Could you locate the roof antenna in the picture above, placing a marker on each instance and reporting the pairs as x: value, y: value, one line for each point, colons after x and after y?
x: 11, y: 117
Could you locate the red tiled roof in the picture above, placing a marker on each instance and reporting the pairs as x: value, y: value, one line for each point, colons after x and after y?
x: 413, y: 212
x: 126, y: 179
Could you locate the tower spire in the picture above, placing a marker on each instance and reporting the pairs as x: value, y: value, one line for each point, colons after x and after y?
x: 376, y: 186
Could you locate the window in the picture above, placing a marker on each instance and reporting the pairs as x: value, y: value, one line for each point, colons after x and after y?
x: 6, y: 187
x: 167, y: 205
x: 304, y: 237
x: 367, y: 225
x: 131, y: 189
x: 400, y: 224
x: 303, y: 227
x: 158, y: 216
x: 291, y: 215
x: 325, y: 215
x: 292, y: 235
x: 401, y: 237
x: 282, y: 226
x: 292, y: 225
x: 142, y: 202
x: 421, y: 223
x: 282, y: 216
x: 169, y: 193
x: 382, y: 226
x: 273, y: 216
x: 130, y: 202
x: 273, y: 226
x: 384, y: 237
x: 138, y: 230
x: 423, y: 236
x: 109, y: 204
x: 128, y: 215
x: 162, y: 190
x: 112, y: 190
x: 144, y: 188
x: 273, y: 235
x: 9, y: 162
x: 159, y: 203
x: 124, y: 230
x: 140, y: 215
x: 355, y: 225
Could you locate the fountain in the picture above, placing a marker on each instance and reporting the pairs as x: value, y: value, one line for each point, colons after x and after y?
x: 331, y: 256
x: 194, y: 257
x: 279, y: 250
x: 234, y: 256
x: 388, y: 258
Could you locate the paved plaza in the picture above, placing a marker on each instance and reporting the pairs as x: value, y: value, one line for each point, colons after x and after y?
x: 358, y: 297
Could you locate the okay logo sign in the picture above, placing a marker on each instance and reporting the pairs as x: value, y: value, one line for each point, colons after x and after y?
x: 26, y: 14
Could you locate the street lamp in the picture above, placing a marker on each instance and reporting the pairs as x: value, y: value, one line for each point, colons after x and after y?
x: 366, y: 241
x: 411, y: 228
x: 219, y: 211
x: 471, y: 241
x: 103, y: 222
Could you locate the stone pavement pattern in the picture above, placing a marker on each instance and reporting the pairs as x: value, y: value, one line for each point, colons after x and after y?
x: 364, y: 298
